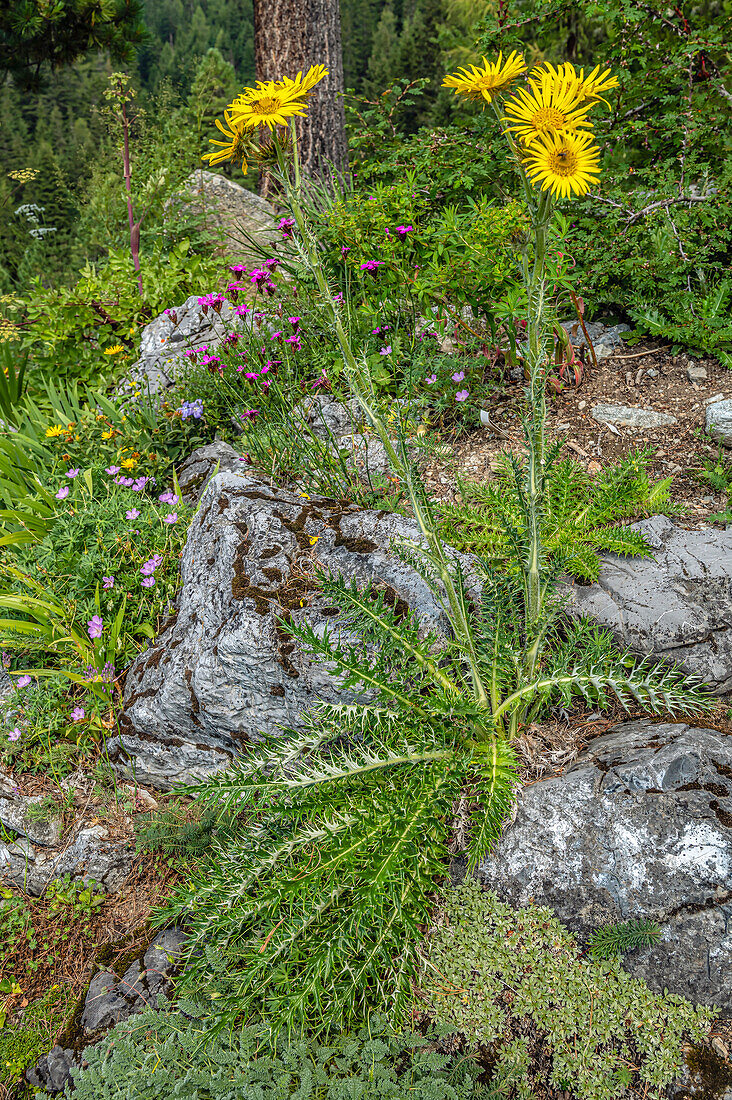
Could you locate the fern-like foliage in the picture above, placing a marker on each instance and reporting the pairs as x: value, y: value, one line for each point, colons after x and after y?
x: 617, y: 939
x: 580, y: 514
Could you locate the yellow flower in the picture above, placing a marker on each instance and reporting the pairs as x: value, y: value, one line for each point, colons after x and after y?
x: 563, y: 163
x: 545, y: 109
x: 303, y: 85
x: 270, y: 104
x: 54, y: 432
x: 107, y: 435
x: 115, y: 349
x: 128, y: 463
x: 489, y: 80
x: 231, y: 149
x: 584, y: 89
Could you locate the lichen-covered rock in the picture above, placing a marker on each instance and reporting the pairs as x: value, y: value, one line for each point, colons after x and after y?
x: 675, y: 605
x: 718, y: 421
x: 226, y: 671
x: 639, y: 826
x: 200, y: 466
x: 90, y: 856
x: 241, y: 216
x: 625, y: 416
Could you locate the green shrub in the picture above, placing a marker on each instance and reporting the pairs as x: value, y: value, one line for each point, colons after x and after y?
x: 166, y: 1056
x: 488, y: 969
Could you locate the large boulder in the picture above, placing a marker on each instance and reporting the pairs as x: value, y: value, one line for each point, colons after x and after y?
x: 639, y: 826
x: 226, y: 670
x: 238, y: 215
x: 675, y: 605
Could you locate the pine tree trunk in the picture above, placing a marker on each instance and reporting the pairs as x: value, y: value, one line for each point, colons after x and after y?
x: 290, y: 36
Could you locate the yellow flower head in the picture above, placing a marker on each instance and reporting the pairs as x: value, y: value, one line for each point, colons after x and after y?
x: 115, y: 349
x: 563, y: 163
x: 585, y: 89
x: 235, y: 146
x: 54, y: 432
x: 303, y: 85
x: 489, y: 80
x: 544, y: 109
x: 128, y: 463
x: 270, y: 104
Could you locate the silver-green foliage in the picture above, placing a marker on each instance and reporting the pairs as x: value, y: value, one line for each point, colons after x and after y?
x: 488, y: 969
x: 169, y: 1057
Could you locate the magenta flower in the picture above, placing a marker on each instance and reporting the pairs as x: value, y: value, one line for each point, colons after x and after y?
x: 237, y: 269
x: 96, y: 626
x: 77, y: 714
x: 107, y: 582
x: 14, y: 735
x: 402, y: 230
x: 147, y: 582
x: 22, y: 681
x: 133, y: 513
x: 371, y: 265
x: 458, y: 376
x: 462, y: 395
x: 286, y: 226
x: 431, y: 380
x: 172, y: 517
x: 62, y: 493
x: 386, y: 350
x: 72, y: 473
x: 294, y: 321
x: 112, y: 470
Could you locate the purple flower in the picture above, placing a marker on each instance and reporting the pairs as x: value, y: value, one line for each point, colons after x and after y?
x: 72, y: 473
x: 286, y: 226
x: 140, y: 484
x: 14, y: 735
x: 133, y: 513
x: 294, y: 321
x: 172, y: 517
x: 77, y: 714
x: 402, y: 230
x: 148, y: 568
x: 371, y: 265
x: 126, y: 481
x: 107, y: 582
x: 237, y: 269
x: 458, y: 376
x: 345, y: 248
x: 193, y: 408
x: 431, y: 380
x: 386, y: 350
x: 270, y: 264
x: 462, y: 395
x: 96, y: 625
x: 168, y: 497
x: 112, y: 470
x: 22, y: 681
x: 62, y: 493
x: 147, y: 582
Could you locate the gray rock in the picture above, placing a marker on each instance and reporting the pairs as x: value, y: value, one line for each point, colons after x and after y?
x: 327, y: 417
x: 706, y: 1075
x: 200, y: 466
x: 166, y: 339
x: 225, y: 672
x: 625, y: 417
x: 605, y: 338
x: 16, y: 813
x: 676, y: 605
x: 696, y: 373
x: 718, y: 422
x: 239, y: 215
x: 91, y: 856
x: 111, y: 999
x: 639, y: 826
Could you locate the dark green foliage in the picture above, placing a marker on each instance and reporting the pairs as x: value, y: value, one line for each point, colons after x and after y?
x: 165, y: 1056
x: 593, y: 1030
x: 35, y: 36
x: 618, y: 939
x: 182, y: 832
x: 579, y: 518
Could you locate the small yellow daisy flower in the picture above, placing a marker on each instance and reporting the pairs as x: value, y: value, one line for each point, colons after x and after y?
x: 54, y: 432
x: 269, y: 104
x: 586, y: 89
x: 128, y: 463
x: 563, y: 163
x: 115, y: 349
x: 489, y: 80
x: 107, y: 435
x: 545, y: 109
x: 303, y: 85
x: 235, y: 146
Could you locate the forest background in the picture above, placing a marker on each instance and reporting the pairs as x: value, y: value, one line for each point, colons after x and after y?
x: 652, y: 247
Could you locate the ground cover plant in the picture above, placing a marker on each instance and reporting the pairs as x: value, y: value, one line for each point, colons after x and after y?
x: 369, y: 787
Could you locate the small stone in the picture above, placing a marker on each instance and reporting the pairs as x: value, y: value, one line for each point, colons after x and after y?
x: 718, y: 422
x: 627, y: 417
x: 696, y: 373
x: 581, y: 404
x: 651, y: 373
x: 714, y: 398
